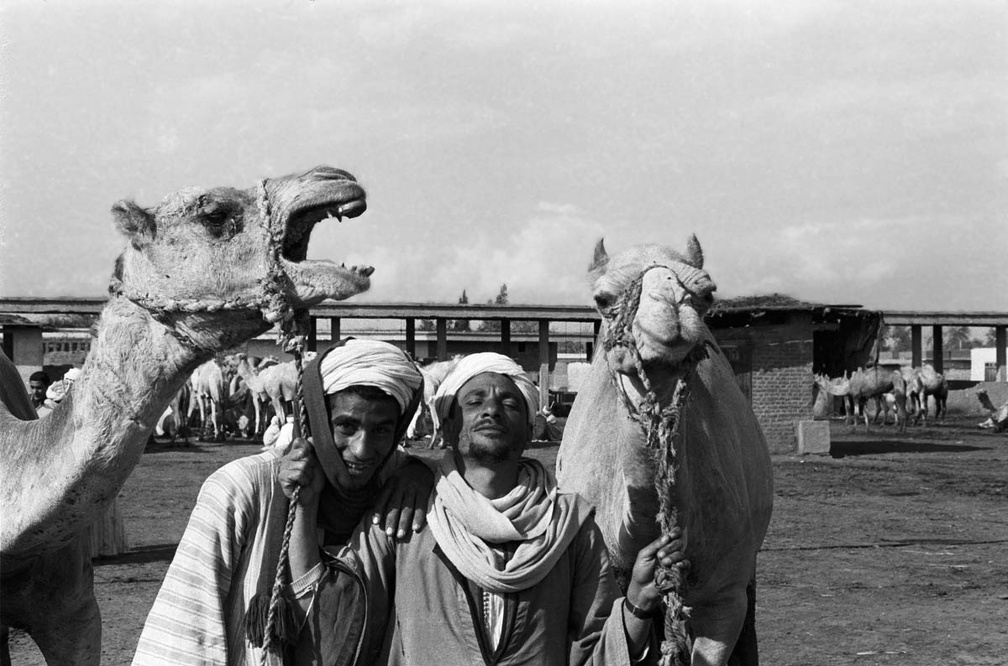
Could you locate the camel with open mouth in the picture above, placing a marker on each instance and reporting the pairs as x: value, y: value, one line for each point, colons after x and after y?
x: 203, y: 271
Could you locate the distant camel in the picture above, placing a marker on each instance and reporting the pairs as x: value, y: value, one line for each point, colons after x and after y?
x: 922, y: 383
x: 868, y: 384
x: 273, y: 384
x: 209, y: 392
x: 247, y: 373
x: 998, y: 419
x: 433, y: 374
x: 177, y: 426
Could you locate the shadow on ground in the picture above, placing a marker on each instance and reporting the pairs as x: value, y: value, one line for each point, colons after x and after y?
x: 162, y: 552
x: 875, y: 447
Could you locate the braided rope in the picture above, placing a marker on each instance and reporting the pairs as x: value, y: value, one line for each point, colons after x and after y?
x: 275, y: 305
x: 661, y: 432
x: 273, y: 301
x: 293, y: 343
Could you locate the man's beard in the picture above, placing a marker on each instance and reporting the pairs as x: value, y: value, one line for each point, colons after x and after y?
x: 489, y: 454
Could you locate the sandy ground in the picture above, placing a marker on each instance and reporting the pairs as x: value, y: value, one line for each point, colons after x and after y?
x: 893, y: 550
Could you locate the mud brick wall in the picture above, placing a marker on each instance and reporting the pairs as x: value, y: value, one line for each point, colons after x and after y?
x: 781, y: 389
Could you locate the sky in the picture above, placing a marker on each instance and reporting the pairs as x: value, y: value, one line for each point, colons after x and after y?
x: 850, y: 152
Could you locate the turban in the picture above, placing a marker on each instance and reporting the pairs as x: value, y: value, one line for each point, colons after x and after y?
x: 477, y: 364
x: 355, y: 362
x: 370, y: 363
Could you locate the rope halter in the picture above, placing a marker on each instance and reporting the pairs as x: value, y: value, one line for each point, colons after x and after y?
x: 273, y: 300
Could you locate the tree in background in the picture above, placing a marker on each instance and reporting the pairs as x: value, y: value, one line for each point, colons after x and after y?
x: 957, y: 338
x: 452, y: 324
x: 460, y: 324
x: 990, y: 339
x: 896, y: 339
x: 517, y: 325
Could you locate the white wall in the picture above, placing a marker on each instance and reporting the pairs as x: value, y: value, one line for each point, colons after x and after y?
x: 979, y: 358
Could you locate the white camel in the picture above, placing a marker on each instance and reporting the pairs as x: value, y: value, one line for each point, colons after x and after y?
x: 273, y: 383
x: 433, y: 374
x: 887, y: 388
x: 997, y: 419
x: 209, y: 394
x: 660, y: 432
x: 204, y: 271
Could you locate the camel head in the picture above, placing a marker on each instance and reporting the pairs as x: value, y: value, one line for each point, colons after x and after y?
x: 237, y: 253
x: 833, y: 386
x: 653, y: 300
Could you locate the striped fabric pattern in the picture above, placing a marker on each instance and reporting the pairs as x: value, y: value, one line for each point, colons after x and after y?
x: 221, y: 562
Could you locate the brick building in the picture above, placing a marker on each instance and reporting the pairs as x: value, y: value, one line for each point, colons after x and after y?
x: 775, y: 344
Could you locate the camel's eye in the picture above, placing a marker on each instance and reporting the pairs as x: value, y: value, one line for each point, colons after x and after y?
x: 219, y: 218
x: 216, y: 215
x: 604, y: 300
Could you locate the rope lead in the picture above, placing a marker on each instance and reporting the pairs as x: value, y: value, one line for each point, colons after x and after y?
x: 661, y: 432
x: 277, y: 626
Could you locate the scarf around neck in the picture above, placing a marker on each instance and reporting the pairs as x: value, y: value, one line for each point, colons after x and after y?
x: 351, y: 504
x: 467, y: 526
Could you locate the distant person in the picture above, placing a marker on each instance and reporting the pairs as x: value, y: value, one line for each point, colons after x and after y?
x: 38, y: 384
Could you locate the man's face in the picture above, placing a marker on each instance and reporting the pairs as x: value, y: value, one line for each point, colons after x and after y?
x: 489, y: 421
x: 37, y: 391
x: 364, y: 432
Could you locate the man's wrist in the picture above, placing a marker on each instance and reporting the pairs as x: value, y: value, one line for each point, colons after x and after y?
x: 637, y: 611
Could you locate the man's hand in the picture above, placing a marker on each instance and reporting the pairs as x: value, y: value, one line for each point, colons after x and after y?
x: 665, y: 550
x: 300, y: 467
x: 402, y: 506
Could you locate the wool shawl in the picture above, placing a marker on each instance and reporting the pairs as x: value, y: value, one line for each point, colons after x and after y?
x: 536, y: 520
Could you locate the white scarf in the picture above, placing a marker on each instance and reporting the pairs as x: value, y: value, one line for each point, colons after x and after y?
x: 466, y: 524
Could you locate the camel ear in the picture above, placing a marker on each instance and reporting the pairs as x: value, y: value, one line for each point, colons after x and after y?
x: 694, y: 255
x: 601, y: 258
x: 134, y: 222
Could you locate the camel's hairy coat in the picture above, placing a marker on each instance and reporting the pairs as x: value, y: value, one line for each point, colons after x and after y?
x: 723, y: 483
x: 203, y: 271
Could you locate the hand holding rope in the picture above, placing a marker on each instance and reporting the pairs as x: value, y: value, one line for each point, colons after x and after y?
x: 279, y: 627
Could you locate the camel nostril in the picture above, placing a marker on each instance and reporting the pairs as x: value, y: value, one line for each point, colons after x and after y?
x: 331, y: 173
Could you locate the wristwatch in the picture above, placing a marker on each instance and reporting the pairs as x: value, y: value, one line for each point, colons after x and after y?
x: 637, y: 611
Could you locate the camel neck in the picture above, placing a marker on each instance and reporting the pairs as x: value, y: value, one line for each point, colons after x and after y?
x: 134, y: 369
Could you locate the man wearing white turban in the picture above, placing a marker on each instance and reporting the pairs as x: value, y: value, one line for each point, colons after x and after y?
x: 511, y: 570
x: 359, y: 395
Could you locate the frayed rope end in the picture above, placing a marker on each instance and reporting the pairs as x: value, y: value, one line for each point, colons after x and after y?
x: 285, y: 630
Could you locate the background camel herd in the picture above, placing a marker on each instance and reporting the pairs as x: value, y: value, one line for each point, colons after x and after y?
x: 236, y: 395
x: 231, y: 395
x: 905, y: 393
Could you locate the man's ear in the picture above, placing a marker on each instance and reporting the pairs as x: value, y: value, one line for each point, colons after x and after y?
x: 134, y: 222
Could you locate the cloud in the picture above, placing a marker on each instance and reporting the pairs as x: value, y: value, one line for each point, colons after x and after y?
x: 886, y: 263
x: 542, y: 258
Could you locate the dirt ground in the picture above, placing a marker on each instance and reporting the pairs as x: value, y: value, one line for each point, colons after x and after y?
x: 892, y: 550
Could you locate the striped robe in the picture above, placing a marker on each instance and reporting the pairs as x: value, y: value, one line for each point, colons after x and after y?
x: 229, y: 552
